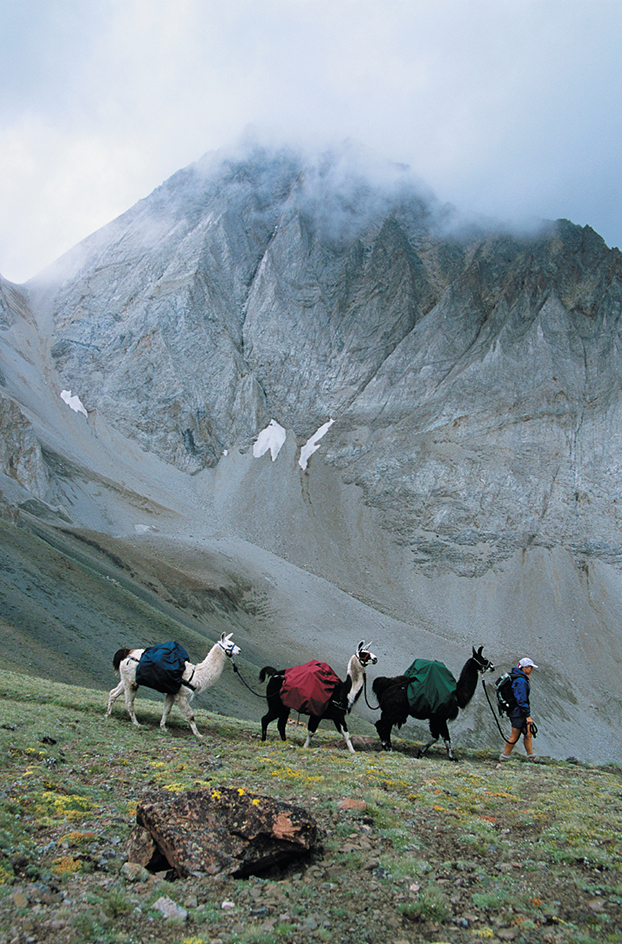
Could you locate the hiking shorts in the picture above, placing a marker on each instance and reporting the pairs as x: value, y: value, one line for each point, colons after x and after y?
x: 519, y: 721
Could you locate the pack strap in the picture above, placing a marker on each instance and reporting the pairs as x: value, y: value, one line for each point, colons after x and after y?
x: 189, y: 684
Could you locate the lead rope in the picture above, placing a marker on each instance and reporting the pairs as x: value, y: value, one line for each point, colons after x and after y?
x: 371, y: 707
x: 239, y: 674
x: 534, y: 730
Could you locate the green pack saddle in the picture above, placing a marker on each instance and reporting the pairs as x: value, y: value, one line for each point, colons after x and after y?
x: 431, y: 688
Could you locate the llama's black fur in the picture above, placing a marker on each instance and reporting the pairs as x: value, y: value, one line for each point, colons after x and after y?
x: 395, y: 710
x: 341, y: 703
x: 118, y: 658
x: 335, y: 712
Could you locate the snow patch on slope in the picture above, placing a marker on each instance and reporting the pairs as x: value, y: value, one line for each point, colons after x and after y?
x: 313, y: 444
x: 74, y: 402
x: 272, y: 438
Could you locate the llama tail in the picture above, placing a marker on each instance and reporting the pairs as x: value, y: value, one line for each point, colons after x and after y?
x: 118, y: 658
x: 268, y: 670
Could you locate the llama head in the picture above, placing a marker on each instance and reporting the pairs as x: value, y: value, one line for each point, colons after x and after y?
x: 482, y: 663
x: 364, y: 654
x: 228, y: 646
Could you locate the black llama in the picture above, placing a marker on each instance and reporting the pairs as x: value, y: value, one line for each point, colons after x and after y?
x: 392, y: 695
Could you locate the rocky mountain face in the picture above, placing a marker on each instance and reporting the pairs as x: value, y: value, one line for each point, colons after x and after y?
x: 468, y: 486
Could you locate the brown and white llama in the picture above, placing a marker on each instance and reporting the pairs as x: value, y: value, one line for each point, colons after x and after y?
x: 341, y: 701
x: 195, y: 679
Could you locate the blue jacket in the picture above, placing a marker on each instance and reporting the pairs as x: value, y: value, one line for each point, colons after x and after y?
x: 521, y: 689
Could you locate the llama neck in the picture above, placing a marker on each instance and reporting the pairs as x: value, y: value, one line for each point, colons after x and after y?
x: 467, y: 683
x: 212, y: 665
x: 356, y: 674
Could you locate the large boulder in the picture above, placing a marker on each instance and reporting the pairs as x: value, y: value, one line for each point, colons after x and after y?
x: 220, y: 831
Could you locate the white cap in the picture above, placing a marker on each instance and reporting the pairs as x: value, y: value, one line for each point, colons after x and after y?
x: 525, y: 663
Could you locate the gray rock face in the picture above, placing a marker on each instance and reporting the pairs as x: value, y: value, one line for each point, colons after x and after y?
x: 20, y: 451
x: 474, y: 381
x: 492, y: 426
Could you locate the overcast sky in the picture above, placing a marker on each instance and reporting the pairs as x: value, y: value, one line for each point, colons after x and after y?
x: 504, y: 107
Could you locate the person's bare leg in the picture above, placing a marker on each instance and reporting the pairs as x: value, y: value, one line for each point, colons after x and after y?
x: 509, y: 747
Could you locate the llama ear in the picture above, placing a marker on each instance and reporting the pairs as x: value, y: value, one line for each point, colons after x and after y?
x: 361, y: 645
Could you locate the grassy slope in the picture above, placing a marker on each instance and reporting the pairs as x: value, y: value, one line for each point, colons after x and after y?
x: 69, y: 600
x: 442, y: 852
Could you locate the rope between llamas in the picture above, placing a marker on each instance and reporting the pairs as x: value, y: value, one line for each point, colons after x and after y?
x: 239, y: 674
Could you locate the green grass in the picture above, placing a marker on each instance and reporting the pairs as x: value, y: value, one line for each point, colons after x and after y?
x: 441, y: 852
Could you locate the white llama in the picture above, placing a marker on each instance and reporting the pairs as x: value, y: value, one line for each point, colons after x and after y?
x: 195, y: 679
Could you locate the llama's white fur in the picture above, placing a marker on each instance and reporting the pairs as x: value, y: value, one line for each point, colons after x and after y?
x: 201, y: 676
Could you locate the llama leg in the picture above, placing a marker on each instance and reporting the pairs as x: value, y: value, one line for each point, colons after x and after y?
x: 129, y: 692
x: 438, y: 728
x: 166, y: 710
x: 424, y: 750
x: 444, y: 733
x: 343, y: 729
x: 384, y: 733
x: 311, y: 729
x: 450, y: 753
x: 265, y: 721
x: 112, y: 697
x: 282, y: 722
x: 184, y: 706
x: 274, y: 711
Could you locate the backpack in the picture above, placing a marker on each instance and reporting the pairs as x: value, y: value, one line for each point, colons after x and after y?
x: 506, y: 699
x: 161, y: 667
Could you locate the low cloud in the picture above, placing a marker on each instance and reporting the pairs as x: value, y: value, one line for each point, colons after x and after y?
x: 507, y: 109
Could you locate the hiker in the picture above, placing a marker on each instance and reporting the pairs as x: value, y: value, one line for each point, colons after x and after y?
x: 520, y: 712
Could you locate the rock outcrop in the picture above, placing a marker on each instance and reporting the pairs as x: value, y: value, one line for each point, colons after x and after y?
x: 220, y: 831
x: 20, y: 451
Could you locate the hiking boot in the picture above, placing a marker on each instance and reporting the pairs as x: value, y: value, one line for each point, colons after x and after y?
x: 532, y: 757
x: 503, y: 757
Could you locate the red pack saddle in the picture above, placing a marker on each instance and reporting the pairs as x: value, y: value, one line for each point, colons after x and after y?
x: 308, y: 688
